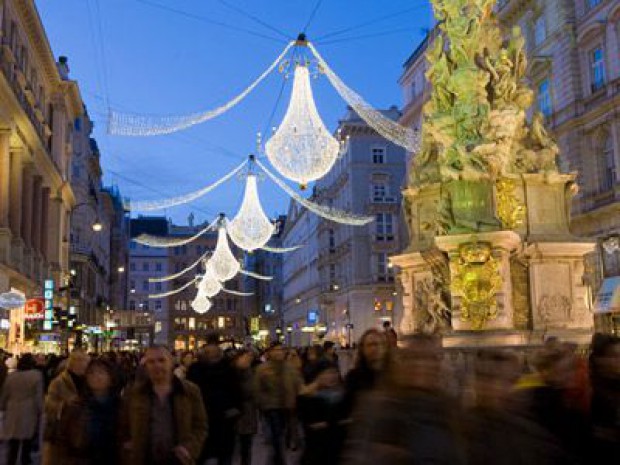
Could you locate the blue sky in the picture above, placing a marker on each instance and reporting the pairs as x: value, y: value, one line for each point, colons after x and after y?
x: 170, y: 57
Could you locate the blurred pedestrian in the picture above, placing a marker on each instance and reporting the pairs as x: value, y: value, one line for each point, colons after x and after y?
x: 221, y: 394
x: 370, y: 366
x: 89, y: 426
x: 310, y: 362
x: 390, y: 334
x: 164, y: 419
x: 247, y: 423
x: 22, y: 402
x: 187, y: 358
x: 65, y: 388
x: 321, y: 411
x: 409, y: 420
x: 605, y: 405
x: 277, y: 386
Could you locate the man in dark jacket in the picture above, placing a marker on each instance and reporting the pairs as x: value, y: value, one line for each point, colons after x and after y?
x: 164, y: 420
x: 222, y: 398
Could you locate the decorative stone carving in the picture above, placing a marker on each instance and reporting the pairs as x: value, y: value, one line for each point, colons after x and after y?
x: 477, y: 279
x: 510, y: 210
x: 554, y: 310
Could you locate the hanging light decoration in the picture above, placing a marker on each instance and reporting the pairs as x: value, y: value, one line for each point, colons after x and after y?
x: 209, y: 285
x: 201, y: 304
x: 302, y: 149
x: 250, y: 229
x: 223, y: 263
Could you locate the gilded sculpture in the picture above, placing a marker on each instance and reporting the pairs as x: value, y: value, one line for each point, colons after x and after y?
x: 510, y: 209
x: 477, y: 280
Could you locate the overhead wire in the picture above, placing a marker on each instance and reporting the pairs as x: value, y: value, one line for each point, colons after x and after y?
x: 312, y: 15
x: 367, y: 23
x: 256, y: 19
x: 366, y: 36
x: 209, y: 20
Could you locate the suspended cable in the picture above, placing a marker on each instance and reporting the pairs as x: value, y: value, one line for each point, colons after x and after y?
x: 151, y: 205
x: 329, y: 213
x: 128, y: 124
x: 174, y: 291
x: 182, y: 272
x: 312, y: 15
x: 209, y: 20
x: 104, y: 60
x: 167, y: 242
x: 391, y: 130
x: 366, y: 36
x: 367, y: 23
x: 256, y: 19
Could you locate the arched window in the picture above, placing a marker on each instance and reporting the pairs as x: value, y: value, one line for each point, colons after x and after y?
x: 607, y: 164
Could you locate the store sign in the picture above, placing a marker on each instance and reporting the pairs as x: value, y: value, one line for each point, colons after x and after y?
x: 48, y: 304
x: 254, y: 324
x: 313, y: 317
x: 34, y: 309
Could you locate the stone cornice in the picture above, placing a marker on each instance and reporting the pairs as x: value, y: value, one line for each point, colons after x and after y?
x: 39, y: 42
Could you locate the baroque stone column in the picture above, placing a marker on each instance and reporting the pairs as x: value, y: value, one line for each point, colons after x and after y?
x: 5, y: 167
x: 35, y: 220
x: 44, y: 230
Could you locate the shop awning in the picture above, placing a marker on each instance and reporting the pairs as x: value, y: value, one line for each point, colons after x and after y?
x: 608, y: 297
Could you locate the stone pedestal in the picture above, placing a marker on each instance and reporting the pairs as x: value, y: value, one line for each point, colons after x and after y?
x: 502, y: 244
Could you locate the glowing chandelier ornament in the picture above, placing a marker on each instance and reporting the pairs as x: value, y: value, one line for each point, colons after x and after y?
x: 302, y: 149
x: 129, y: 124
x: 166, y: 242
x: 223, y: 263
x: 250, y: 229
x: 201, y: 304
x: 170, y: 277
x: 173, y: 291
x: 209, y: 285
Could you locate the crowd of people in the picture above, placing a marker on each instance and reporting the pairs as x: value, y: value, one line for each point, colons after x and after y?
x: 411, y: 404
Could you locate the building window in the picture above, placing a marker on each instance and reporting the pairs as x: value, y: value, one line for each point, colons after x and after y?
x: 384, y: 273
x: 158, y: 287
x: 145, y: 285
x: 132, y: 305
x: 384, y: 227
x: 132, y: 267
x: 145, y: 305
x: 544, y: 98
x: 597, y: 68
x: 540, y: 30
x: 158, y: 266
x: 145, y: 266
x: 158, y: 305
x: 132, y: 285
x: 608, y: 166
x: 378, y: 155
x: 379, y: 192
x: 132, y: 245
x: 332, y: 241
x: 332, y: 272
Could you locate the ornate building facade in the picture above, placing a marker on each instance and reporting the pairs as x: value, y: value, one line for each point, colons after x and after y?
x: 38, y: 105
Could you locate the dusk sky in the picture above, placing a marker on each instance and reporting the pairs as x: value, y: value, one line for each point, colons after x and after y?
x: 170, y: 57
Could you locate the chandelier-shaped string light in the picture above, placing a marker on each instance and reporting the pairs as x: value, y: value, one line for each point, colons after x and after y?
x: 238, y: 293
x: 152, y: 205
x: 329, y: 213
x: 270, y: 249
x: 250, y: 229
x: 302, y: 149
x: 128, y: 124
x: 209, y: 285
x: 223, y: 263
x: 391, y: 130
x: 201, y: 304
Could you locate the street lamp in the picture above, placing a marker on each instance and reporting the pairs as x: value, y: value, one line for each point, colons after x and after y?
x: 121, y: 269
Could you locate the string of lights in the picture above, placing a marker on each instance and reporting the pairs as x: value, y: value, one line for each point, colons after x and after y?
x: 281, y: 249
x: 152, y: 205
x: 329, y: 213
x: 167, y: 242
x: 237, y: 293
x: 401, y: 135
x: 173, y: 291
x: 131, y: 124
x: 180, y: 273
x: 251, y: 274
